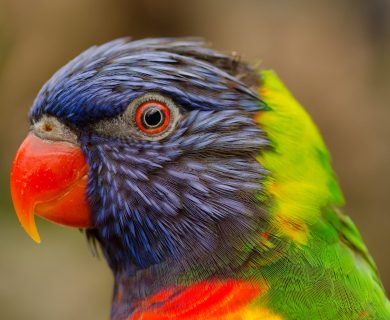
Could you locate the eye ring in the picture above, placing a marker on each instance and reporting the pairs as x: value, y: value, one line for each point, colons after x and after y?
x: 133, y: 123
x: 162, y: 122
x: 152, y: 117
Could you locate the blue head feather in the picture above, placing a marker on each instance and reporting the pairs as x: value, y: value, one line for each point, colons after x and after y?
x: 188, y: 198
x: 100, y: 82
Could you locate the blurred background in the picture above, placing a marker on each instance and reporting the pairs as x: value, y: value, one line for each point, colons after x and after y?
x: 334, y: 56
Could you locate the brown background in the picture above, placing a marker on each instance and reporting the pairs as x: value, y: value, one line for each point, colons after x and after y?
x: 334, y: 55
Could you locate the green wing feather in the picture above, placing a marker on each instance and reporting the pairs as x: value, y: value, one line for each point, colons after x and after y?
x: 321, y: 268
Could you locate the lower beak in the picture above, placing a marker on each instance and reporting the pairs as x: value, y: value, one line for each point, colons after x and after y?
x: 49, y: 178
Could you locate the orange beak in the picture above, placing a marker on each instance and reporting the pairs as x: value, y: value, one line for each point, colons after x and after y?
x: 49, y: 178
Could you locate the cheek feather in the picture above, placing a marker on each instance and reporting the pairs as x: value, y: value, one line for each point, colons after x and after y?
x: 155, y: 199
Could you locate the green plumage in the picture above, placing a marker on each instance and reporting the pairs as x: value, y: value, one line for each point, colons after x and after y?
x: 316, y: 266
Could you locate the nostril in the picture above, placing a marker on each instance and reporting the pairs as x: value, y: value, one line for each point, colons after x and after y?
x: 47, y: 127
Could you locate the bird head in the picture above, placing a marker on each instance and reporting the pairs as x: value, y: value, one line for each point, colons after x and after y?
x: 150, y: 146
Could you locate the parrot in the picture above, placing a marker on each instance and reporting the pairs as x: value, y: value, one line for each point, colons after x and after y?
x: 206, y: 185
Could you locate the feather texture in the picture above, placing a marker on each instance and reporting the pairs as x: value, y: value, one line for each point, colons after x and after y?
x: 232, y: 215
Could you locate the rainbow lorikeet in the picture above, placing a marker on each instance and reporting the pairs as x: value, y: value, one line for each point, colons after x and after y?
x: 206, y: 184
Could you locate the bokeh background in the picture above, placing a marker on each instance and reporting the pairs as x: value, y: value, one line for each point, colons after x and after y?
x: 334, y: 55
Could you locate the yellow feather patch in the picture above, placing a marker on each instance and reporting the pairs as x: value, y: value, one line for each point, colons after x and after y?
x: 253, y: 314
x: 301, y: 180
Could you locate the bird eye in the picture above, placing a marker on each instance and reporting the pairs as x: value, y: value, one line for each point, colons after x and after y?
x: 152, y: 117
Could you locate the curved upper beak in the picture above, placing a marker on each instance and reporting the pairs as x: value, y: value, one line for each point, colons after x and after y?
x: 49, y: 178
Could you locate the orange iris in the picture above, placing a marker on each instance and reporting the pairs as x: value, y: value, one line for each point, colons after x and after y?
x: 152, y: 117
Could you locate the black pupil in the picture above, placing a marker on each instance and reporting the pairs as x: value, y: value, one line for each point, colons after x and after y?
x: 153, y: 117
